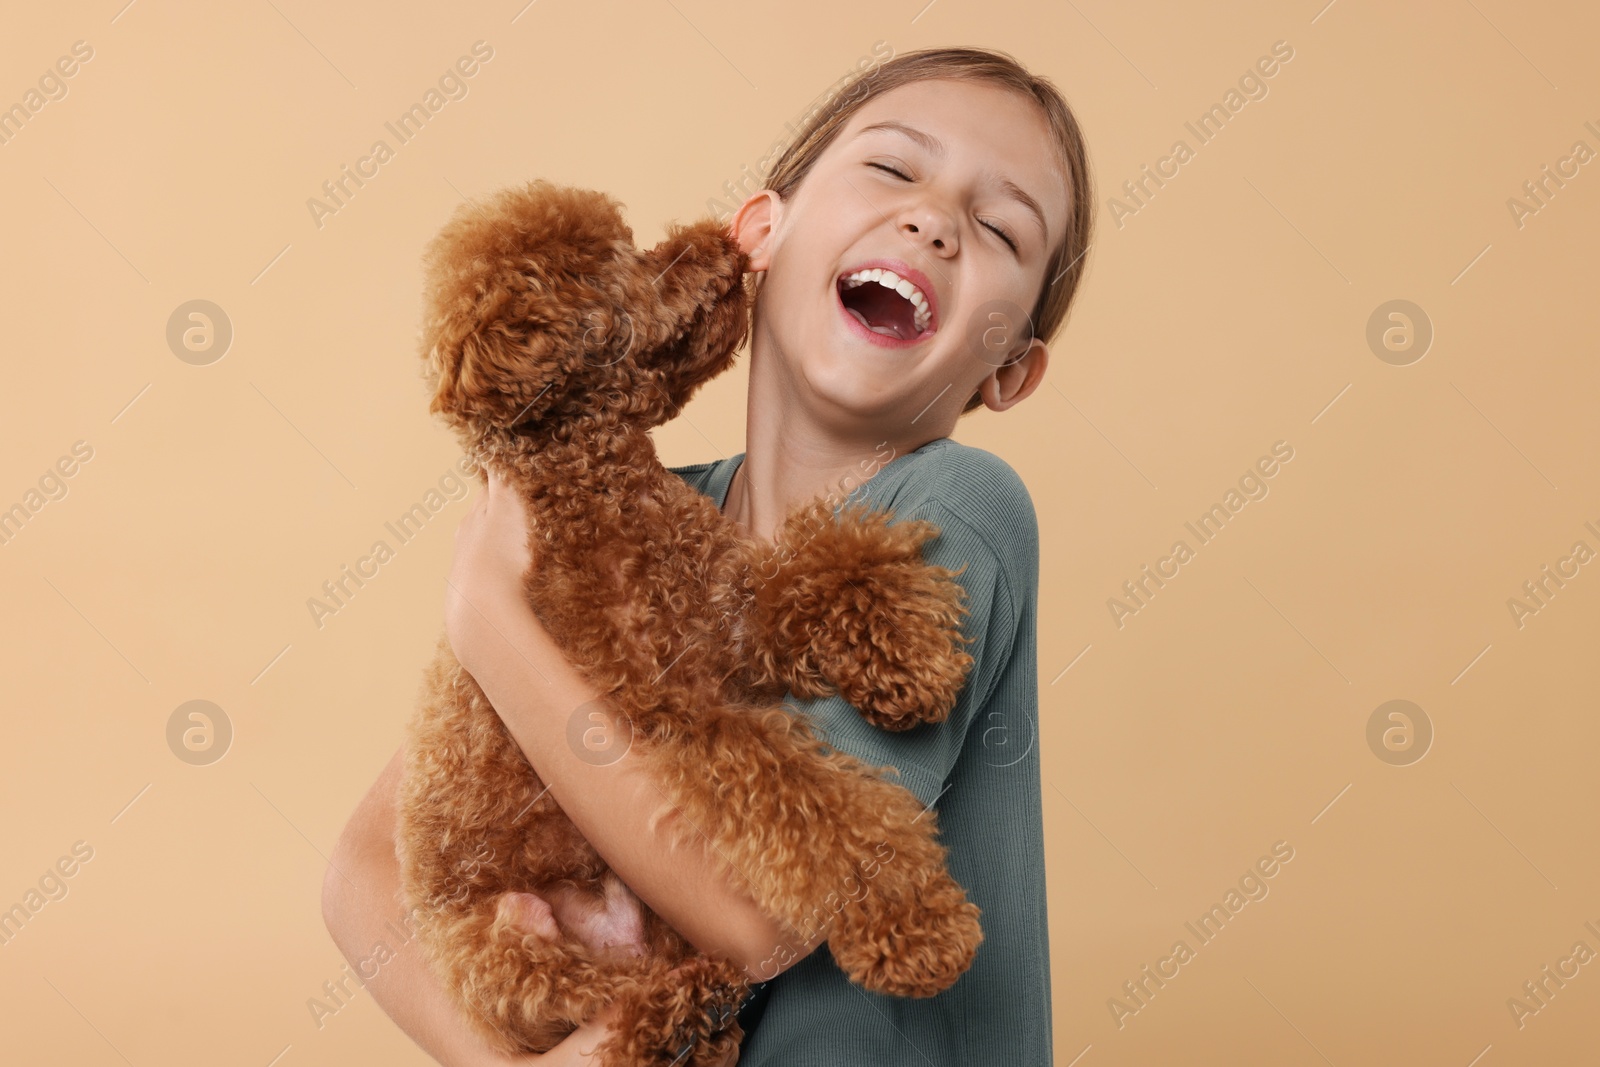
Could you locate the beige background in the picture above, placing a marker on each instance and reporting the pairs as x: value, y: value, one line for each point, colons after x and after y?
x: 1227, y: 314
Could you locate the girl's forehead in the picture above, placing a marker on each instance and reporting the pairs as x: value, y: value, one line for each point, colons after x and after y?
x: 932, y: 97
x: 938, y: 113
x: 920, y: 113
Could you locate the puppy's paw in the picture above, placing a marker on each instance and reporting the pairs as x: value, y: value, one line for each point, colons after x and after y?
x: 906, y: 665
x: 920, y: 957
x: 529, y: 913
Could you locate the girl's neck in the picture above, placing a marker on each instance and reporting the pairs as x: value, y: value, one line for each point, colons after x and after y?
x: 791, y: 458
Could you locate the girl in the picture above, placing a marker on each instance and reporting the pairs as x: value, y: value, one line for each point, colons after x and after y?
x: 966, y: 178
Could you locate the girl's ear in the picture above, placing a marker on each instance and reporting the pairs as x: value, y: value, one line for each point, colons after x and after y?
x: 753, y: 224
x: 1011, y: 383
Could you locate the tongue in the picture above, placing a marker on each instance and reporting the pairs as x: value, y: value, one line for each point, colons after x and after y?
x: 887, y: 331
x: 881, y: 310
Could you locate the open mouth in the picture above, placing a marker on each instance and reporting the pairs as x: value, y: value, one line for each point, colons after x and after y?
x: 886, y: 303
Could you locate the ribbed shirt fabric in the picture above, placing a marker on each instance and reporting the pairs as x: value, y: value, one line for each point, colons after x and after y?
x: 979, y: 770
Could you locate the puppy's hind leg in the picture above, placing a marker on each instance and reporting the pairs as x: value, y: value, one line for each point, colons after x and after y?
x: 523, y: 988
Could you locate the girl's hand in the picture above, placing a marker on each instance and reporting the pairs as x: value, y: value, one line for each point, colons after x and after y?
x: 578, y: 1047
x: 492, y: 557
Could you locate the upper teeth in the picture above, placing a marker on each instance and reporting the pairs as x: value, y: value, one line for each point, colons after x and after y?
x: 920, y: 317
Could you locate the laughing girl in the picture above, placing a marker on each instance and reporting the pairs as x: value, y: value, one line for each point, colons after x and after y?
x: 915, y: 248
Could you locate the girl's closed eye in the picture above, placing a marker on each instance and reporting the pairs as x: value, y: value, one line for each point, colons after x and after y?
x: 998, y: 231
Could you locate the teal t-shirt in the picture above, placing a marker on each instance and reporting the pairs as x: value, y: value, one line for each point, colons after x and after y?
x: 979, y: 769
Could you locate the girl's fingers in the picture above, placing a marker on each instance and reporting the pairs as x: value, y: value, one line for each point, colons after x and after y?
x: 584, y: 1040
x: 579, y: 1046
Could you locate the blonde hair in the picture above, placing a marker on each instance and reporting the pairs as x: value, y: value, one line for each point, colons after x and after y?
x: 1065, y: 265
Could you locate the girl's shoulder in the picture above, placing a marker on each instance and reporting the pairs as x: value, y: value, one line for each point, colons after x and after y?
x: 963, y: 474
x: 946, y: 480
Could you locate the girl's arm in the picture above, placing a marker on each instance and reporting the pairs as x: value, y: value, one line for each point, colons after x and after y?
x: 535, y: 690
x: 358, y: 916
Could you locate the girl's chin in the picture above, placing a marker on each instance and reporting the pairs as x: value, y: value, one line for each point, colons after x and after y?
x: 863, y: 394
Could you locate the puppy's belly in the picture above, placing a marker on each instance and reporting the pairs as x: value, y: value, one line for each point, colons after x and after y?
x: 612, y: 924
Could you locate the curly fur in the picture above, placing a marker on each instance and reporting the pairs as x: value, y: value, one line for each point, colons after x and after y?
x: 552, y: 345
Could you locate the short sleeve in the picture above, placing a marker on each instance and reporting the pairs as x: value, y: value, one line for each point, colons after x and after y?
x: 987, y: 530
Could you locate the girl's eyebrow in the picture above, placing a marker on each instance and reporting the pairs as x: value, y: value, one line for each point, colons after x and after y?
x: 936, y: 148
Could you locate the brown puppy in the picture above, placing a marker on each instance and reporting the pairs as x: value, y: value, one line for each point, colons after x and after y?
x: 552, y: 346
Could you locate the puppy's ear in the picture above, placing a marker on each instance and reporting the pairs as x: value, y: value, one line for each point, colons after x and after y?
x: 512, y: 284
x: 697, y: 275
